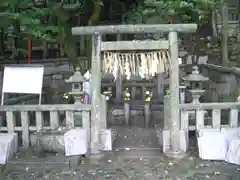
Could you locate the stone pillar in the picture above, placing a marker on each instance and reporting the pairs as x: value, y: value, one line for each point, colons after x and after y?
x: 96, y: 94
x: 147, y: 113
x: 167, y: 108
x: 103, y: 112
x: 133, y: 92
x: 160, y: 85
x: 127, y: 111
x: 174, y: 80
x: 173, y: 136
x: 119, y: 88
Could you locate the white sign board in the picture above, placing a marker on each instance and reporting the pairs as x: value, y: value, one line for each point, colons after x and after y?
x: 26, y: 79
x: 106, y: 139
x: 212, y: 146
x: 76, y: 142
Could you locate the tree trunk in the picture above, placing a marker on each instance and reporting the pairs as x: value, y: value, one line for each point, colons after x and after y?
x: 224, y: 32
x: 16, y: 41
x: 2, y: 42
x: 214, y: 23
x: 16, y: 54
x: 92, y: 20
x: 69, y: 46
x: 66, y: 39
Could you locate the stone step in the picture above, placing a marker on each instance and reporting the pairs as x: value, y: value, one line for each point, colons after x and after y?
x: 138, y: 153
x: 135, y: 138
x: 32, y: 165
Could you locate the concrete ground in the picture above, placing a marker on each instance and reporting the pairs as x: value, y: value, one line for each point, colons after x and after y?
x: 115, y: 167
x: 136, y: 156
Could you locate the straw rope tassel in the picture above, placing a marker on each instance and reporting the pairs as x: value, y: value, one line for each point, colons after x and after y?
x: 127, y: 67
x: 147, y: 69
x: 145, y: 65
x: 110, y: 63
x: 106, y: 65
x: 104, y: 62
x: 154, y: 64
x: 165, y: 61
x: 131, y: 64
x: 163, y: 56
x: 120, y: 57
x: 152, y: 72
x: 115, y: 66
x: 142, y: 66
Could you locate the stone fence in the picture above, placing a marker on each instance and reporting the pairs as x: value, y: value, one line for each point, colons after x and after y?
x: 25, y: 127
x: 208, y: 115
x: 193, y: 117
x: 27, y: 119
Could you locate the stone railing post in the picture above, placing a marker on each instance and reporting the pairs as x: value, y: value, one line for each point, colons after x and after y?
x: 127, y: 97
x: 147, y: 112
x: 166, y: 112
x: 103, y: 124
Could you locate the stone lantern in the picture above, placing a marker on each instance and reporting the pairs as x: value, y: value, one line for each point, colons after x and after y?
x: 77, y: 81
x: 195, y: 79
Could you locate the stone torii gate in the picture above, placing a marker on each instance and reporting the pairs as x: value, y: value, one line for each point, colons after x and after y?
x: 171, y: 45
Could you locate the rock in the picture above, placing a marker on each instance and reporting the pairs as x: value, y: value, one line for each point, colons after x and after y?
x: 166, y: 140
x: 74, y: 161
x: 182, y: 139
x: 233, y: 154
x: 231, y: 134
x: 8, y: 146
x: 212, y: 144
x: 52, y: 141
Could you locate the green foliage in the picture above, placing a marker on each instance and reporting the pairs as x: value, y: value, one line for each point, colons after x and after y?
x: 159, y: 11
x: 56, y: 14
x: 28, y: 16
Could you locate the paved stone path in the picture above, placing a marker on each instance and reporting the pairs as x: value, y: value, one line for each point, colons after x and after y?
x: 136, y: 156
x: 136, y: 138
x: 116, y: 167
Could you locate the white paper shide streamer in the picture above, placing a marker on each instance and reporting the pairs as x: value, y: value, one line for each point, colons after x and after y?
x: 115, y: 67
x: 146, y: 65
